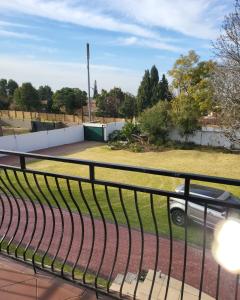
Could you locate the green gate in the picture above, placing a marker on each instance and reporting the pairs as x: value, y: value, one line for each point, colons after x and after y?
x: 93, y: 133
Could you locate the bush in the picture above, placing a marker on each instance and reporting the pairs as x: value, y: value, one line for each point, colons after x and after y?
x: 156, y: 122
x: 116, y: 135
x: 129, y: 129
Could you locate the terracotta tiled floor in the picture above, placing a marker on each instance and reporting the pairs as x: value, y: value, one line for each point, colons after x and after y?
x: 18, y: 282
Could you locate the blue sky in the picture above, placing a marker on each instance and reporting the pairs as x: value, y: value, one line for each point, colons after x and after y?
x: 44, y: 41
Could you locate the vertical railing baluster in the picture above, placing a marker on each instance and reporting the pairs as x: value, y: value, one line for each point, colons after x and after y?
x: 18, y: 209
x: 72, y: 225
x: 10, y: 218
x: 157, y: 246
x: 53, y: 219
x: 117, y: 238
x: 62, y: 222
x: 203, y: 251
x: 93, y: 231
x: 82, y: 229
x: 44, y: 223
x: 129, y: 238
x: 170, y: 248
x: 186, y: 195
x: 142, y: 243
x: 105, y: 236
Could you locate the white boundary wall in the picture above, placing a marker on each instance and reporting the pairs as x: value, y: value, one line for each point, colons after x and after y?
x: 110, y: 127
x: 42, y: 139
x: 208, y: 136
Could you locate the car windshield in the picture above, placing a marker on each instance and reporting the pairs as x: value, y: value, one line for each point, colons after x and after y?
x: 203, y: 190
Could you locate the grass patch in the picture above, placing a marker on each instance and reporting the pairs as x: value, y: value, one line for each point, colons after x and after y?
x: 203, y: 162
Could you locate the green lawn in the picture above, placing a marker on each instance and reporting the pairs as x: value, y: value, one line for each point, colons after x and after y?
x: 203, y: 162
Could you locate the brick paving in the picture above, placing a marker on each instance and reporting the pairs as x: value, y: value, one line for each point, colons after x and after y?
x: 18, y: 282
x: 227, y: 282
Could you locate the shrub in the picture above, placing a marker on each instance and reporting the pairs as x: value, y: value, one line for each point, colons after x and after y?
x: 116, y: 135
x: 156, y: 122
x: 129, y: 129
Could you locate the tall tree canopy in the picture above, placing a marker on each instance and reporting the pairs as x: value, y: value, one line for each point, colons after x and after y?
x: 26, y: 97
x: 192, y: 77
x: 45, y: 94
x: 69, y: 100
x: 11, y: 87
x: 152, y: 90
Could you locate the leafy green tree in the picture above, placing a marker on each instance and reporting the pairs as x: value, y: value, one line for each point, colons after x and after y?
x: 156, y: 121
x: 185, y: 114
x: 109, y: 103
x: 3, y: 94
x: 193, y: 78
x: 155, y: 87
x: 69, y: 99
x: 26, y: 98
x: 182, y: 71
x: 128, y: 107
x: 11, y: 87
x: 45, y: 94
x: 95, y: 90
x: 144, y: 93
x: 164, y: 92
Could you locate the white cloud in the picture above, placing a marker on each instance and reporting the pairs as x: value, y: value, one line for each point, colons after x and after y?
x: 19, y: 35
x: 148, y: 43
x: 197, y: 18
x: 59, y: 74
x: 69, y: 11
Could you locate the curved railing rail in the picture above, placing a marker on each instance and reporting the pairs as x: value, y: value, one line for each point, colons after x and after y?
x: 112, y: 237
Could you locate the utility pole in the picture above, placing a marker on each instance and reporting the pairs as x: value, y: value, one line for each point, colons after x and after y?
x: 89, y: 100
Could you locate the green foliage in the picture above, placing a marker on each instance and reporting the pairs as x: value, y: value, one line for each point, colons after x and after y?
x: 151, y: 90
x: 185, y: 114
x: 192, y: 77
x: 156, y: 121
x: 26, y: 97
x: 164, y: 93
x: 115, y: 103
x: 128, y: 107
x: 45, y: 94
x: 129, y: 129
x: 116, y: 135
x: 69, y: 99
x: 144, y: 93
x: 11, y: 86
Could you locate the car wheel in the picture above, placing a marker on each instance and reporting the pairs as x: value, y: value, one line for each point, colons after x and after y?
x: 178, y: 217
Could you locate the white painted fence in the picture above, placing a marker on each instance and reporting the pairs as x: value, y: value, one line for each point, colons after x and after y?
x: 208, y: 136
x: 42, y: 139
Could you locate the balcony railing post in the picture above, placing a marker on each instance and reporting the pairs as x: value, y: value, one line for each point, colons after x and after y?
x: 22, y: 162
x: 91, y: 172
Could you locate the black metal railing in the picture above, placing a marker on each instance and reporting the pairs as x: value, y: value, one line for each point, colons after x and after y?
x: 107, y: 234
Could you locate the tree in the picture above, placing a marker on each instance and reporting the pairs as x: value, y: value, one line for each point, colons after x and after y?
x: 26, y: 97
x: 227, y: 75
x: 45, y: 94
x: 109, y: 103
x: 185, y: 114
x: 164, y: 93
x: 128, y: 107
x: 144, y: 93
x: 95, y: 90
x: 192, y: 77
x: 182, y: 71
x: 69, y: 100
x: 3, y: 94
x: 154, y: 83
x: 11, y: 87
x: 156, y: 121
